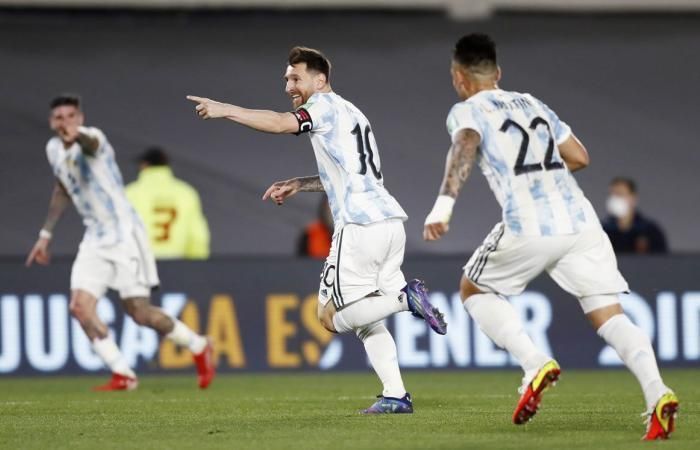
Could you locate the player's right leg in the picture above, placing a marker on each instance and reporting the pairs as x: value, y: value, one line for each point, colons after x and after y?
x: 83, y: 307
x: 90, y: 276
x: 501, y: 266
x: 589, y: 271
x: 351, y: 300
x: 634, y: 348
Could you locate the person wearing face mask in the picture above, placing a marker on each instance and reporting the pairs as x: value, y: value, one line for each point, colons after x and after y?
x: 628, y: 229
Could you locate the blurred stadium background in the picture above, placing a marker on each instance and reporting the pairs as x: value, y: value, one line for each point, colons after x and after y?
x: 623, y: 73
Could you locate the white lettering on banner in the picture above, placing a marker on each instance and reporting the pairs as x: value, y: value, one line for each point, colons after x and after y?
x: 35, y: 327
x: 82, y: 347
x: 456, y: 341
x: 137, y: 341
x: 173, y: 302
x: 691, y: 325
x: 9, y: 334
x: 408, y: 329
x: 536, y: 312
x: 641, y: 314
x: 667, y: 338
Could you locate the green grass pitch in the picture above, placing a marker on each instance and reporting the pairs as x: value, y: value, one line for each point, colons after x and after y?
x: 587, y: 409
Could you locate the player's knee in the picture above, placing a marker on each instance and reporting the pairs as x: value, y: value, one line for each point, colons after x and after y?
x: 467, y: 288
x: 139, y: 314
x: 80, y: 308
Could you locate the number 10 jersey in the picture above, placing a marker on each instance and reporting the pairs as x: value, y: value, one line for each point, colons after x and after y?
x: 348, y: 161
x: 519, y: 157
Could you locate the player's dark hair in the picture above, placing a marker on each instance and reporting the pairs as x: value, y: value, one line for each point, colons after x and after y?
x: 65, y: 100
x: 629, y: 182
x: 154, y: 156
x: 314, y: 59
x: 476, y: 50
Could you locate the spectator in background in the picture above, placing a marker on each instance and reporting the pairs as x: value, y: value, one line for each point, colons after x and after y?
x: 315, y: 241
x: 170, y: 209
x: 628, y: 229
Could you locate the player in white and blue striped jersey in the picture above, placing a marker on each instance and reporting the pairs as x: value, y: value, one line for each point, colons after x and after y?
x: 528, y: 155
x: 114, y: 252
x: 361, y: 282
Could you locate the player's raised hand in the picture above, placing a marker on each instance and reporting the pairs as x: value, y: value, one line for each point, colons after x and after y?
x: 40, y: 253
x: 434, y: 231
x: 209, y: 109
x: 281, y: 190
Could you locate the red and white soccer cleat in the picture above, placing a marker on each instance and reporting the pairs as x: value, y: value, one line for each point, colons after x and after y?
x: 532, y: 392
x: 661, y: 421
x: 118, y: 382
x: 206, y: 370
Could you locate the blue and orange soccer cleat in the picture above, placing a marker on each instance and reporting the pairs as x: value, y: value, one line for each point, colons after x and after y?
x: 661, y: 421
x: 391, y: 405
x: 532, y: 392
x: 420, y: 306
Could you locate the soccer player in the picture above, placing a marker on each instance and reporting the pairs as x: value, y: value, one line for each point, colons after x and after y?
x: 114, y: 252
x: 361, y: 282
x: 527, y: 154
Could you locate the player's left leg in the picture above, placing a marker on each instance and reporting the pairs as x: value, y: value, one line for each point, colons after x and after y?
x: 145, y: 314
x: 503, y: 265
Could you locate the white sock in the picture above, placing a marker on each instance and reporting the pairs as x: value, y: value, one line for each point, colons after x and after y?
x: 368, y: 310
x: 108, y: 351
x: 381, y: 350
x: 500, y: 321
x: 635, y: 350
x: 184, y: 336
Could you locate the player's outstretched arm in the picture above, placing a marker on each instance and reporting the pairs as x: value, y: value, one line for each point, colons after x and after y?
x: 59, y: 201
x: 574, y: 153
x: 460, y: 160
x: 281, y: 190
x: 261, y: 120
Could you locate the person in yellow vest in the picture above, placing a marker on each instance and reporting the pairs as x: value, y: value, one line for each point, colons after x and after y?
x: 170, y: 209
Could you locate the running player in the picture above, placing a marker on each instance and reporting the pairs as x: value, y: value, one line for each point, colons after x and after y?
x: 361, y: 281
x: 114, y: 252
x: 527, y: 155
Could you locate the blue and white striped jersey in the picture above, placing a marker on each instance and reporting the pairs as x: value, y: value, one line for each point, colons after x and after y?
x: 95, y: 186
x: 348, y: 161
x: 520, y: 159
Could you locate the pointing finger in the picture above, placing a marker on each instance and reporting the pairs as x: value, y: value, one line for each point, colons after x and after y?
x: 194, y: 98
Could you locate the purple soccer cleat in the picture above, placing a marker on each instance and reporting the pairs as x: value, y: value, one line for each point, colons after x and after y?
x: 420, y: 306
x: 391, y: 405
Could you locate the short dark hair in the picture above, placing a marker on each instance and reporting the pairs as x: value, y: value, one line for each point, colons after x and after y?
x: 154, y: 156
x: 629, y: 182
x: 65, y: 100
x: 476, y: 50
x: 314, y: 59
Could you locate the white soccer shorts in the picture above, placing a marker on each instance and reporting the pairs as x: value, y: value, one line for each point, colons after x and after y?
x: 128, y: 267
x: 363, y: 259
x: 582, y: 264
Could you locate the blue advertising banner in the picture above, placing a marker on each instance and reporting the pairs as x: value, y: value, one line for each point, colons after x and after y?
x: 261, y: 315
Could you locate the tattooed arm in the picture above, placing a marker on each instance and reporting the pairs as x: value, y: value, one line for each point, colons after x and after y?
x: 460, y: 160
x: 280, y: 190
x: 59, y: 201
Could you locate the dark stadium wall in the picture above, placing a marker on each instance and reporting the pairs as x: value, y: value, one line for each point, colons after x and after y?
x: 261, y: 315
x: 625, y: 84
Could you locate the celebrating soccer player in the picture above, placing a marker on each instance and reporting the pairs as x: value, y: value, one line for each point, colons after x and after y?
x: 527, y: 155
x: 114, y: 252
x: 361, y: 282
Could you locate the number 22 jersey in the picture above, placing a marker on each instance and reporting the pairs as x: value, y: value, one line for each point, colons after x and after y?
x: 348, y: 161
x: 519, y: 157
